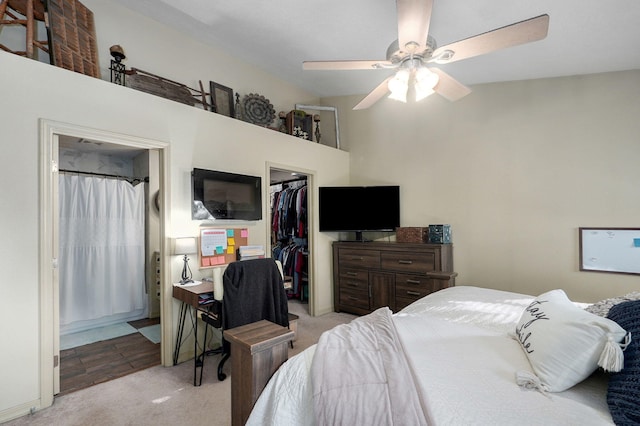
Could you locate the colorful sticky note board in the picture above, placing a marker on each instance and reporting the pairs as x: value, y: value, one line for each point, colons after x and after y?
x: 218, y: 246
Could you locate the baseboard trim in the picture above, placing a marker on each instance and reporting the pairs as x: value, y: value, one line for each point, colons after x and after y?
x: 20, y: 410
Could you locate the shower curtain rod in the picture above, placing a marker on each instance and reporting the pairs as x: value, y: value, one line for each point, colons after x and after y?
x: 127, y: 178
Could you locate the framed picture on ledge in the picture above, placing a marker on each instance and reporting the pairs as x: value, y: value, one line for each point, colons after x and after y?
x: 221, y: 99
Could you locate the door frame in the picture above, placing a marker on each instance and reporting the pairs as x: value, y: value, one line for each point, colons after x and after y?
x: 49, y: 240
x: 311, y: 178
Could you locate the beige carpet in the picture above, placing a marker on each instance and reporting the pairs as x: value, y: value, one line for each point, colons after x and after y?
x: 165, y: 395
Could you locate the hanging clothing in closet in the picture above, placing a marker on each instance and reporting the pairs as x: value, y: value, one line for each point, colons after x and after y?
x: 289, y: 231
x: 294, y: 264
x: 289, y: 212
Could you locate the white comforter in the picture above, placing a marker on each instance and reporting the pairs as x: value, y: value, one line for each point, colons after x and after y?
x: 458, y: 345
x: 361, y: 376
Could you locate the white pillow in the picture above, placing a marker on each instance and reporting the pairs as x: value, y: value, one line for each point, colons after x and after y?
x: 564, y: 343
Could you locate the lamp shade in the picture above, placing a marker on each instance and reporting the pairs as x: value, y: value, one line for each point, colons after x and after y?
x: 185, y: 245
x: 399, y: 85
x: 425, y: 81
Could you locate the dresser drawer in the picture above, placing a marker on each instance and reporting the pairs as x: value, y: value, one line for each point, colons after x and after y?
x: 413, y: 282
x: 359, y: 258
x: 354, y: 278
x: 409, y: 262
x: 354, y: 298
x: 413, y: 286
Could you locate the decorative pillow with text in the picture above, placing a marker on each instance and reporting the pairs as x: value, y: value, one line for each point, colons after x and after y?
x: 565, y: 344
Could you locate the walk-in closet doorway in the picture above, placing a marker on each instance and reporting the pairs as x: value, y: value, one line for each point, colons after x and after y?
x: 71, y: 157
x: 290, y: 236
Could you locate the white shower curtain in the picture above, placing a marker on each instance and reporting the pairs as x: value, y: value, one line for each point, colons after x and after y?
x: 102, y: 252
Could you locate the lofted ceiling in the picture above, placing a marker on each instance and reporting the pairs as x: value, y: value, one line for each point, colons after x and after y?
x: 585, y: 36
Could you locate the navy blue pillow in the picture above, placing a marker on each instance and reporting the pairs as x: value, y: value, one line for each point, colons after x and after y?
x: 623, y: 394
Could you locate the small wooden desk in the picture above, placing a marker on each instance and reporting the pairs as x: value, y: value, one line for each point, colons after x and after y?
x: 259, y: 349
x: 190, y: 294
x: 191, y: 298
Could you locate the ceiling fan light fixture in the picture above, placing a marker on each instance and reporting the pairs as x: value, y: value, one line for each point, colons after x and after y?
x: 408, y: 52
x: 425, y: 81
x: 399, y: 85
x: 426, y: 77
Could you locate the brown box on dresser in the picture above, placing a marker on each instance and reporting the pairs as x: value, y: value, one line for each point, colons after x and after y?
x: 370, y: 275
x: 412, y: 235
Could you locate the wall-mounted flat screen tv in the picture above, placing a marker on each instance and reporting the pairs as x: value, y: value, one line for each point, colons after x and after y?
x: 359, y: 208
x: 223, y: 195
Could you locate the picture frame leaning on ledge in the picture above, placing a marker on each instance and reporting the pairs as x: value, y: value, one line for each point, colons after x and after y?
x: 221, y: 99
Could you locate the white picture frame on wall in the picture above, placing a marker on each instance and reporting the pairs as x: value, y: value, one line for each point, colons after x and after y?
x: 615, y: 250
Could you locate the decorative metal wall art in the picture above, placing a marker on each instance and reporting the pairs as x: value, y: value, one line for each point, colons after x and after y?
x: 258, y: 110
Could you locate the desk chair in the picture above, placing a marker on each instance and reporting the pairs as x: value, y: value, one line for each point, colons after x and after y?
x: 253, y: 291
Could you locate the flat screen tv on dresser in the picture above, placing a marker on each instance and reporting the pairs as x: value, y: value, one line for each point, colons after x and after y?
x: 359, y: 208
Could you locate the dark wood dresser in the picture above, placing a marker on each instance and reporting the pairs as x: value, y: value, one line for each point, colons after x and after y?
x: 370, y: 275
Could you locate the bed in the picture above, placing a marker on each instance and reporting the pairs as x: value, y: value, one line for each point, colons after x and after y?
x: 454, y: 358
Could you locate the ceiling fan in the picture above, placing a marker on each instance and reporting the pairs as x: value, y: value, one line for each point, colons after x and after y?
x: 415, y: 48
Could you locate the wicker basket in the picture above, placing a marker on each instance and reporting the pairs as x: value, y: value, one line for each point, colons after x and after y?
x: 412, y: 235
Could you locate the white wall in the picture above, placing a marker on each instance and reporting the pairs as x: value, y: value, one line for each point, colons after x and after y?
x: 515, y: 168
x: 30, y: 91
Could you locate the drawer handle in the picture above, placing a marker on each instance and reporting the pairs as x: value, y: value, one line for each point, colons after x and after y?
x: 405, y: 262
x: 413, y: 293
x: 352, y: 274
x: 352, y: 298
x: 357, y: 258
x: 413, y: 281
x: 352, y: 284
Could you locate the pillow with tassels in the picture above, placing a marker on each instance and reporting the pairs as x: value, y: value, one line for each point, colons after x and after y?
x: 565, y: 344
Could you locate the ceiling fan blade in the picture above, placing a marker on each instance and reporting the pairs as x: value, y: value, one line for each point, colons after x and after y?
x: 375, y: 95
x: 345, y: 65
x: 448, y: 87
x: 512, y: 35
x: 413, y: 22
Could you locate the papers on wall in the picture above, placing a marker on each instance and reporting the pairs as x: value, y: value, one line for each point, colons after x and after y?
x: 214, y: 241
x: 251, y: 252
